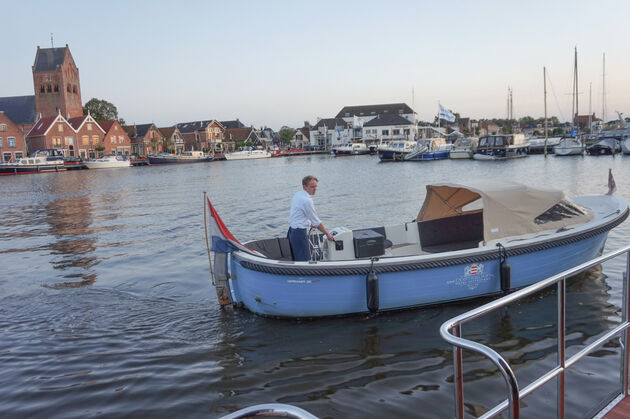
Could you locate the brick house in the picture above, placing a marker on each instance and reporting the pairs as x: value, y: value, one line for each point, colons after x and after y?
x: 206, y: 136
x: 242, y: 135
x: 487, y: 128
x: 301, y: 138
x: 145, y: 139
x: 115, y: 140
x: 12, y: 144
x: 53, y: 132
x: 89, y: 136
x: 173, y: 139
x: 56, y: 83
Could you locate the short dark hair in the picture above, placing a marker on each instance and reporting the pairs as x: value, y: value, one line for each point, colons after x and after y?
x: 307, y: 179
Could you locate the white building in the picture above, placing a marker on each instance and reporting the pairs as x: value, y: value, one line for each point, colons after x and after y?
x: 388, y: 128
x: 359, y: 116
x: 330, y: 132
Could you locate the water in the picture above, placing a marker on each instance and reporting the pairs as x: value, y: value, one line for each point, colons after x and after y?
x: 106, y: 307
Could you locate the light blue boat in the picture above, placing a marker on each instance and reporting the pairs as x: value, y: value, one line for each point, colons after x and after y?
x: 468, y: 241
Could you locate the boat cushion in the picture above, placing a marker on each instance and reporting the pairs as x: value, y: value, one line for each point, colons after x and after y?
x: 277, y: 248
x: 451, y: 233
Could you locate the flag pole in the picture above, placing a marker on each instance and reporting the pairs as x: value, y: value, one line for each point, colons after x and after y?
x: 205, y: 226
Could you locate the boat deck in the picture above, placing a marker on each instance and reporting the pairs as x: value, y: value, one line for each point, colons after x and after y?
x: 620, y: 411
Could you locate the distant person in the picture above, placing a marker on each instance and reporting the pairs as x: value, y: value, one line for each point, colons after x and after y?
x: 302, y: 216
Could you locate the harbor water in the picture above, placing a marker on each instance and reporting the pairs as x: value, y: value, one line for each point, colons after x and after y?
x: 107, y: 310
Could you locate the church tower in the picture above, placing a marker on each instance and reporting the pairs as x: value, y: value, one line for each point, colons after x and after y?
x: 56, y: 83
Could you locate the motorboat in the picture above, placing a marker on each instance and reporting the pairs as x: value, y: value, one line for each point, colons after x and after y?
x: 108, y: 161
x: 501, y: 147
x: 184, y: 157
x: 350, y: 149
x: 395, y: 150
x: 430, y: 149
x: 464, y: 148
x: 470, y: 240
x: 41, y: 161
x: 604, y: 146
x: 569, y: 146
x: 539, y: 145
x: 248, y: 154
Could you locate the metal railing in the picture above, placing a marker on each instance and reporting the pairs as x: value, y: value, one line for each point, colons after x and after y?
x: 271, y: 409
x: 451, y: 331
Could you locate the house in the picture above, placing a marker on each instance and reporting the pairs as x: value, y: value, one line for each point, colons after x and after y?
x: 465, y: 126
x: 301, y: 138
x: 330, y: 132
x: 54, y: 132
x: 487, y: 127
x: 12, y: 143
x: 173, y: 139
x: 202, y: 135
x: 358, y: 116
x: 89, y: 135
x: 232, y: 124
x: 429, y: 131
x: 145, y: 139
x: 243, y: 135
x: 115, y: 140
x: 388, y: 127
x: 20, y: 110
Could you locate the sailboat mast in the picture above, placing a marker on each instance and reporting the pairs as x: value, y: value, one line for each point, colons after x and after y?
x: 575, y: 90
x: 604, y: 89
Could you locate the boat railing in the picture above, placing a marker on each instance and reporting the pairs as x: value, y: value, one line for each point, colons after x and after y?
x: 271, y: 409
x: 451, y: 331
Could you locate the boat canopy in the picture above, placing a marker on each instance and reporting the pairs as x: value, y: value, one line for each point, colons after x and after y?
x: 509, y: 208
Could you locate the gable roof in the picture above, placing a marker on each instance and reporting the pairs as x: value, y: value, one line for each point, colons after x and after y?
x: 330, y: 123
x: 373, y: 110
x: 42, y: 126
x: 107, y: 125
x: 188, y: 127
x: 77, y: 121
x: 232, y: 124
x: 19, y: 109
x: 239, y: 134
x: 385, y: 120
x: 49, y: 59
x: 167, y: 132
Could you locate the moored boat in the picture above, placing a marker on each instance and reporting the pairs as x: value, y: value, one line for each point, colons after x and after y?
x: 350, y: 149
x: 604, y: 146
x: 42, y: 161
x: 395, y: 150
x: 464, y: 148
x: 248, y: 154
x: 569, y: 146
x: 430, y: 149
x: 108, y: 161
x: 501, y: 147
x: 538, y: 145
x: 185, y: 157
x: 460, y: 246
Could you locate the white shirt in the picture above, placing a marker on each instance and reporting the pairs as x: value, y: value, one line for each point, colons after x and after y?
x: 303, y: 212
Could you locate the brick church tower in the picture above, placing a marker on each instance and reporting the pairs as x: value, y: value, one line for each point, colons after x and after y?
x: 56, y: 83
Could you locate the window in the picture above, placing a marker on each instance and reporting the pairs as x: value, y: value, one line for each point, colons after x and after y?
x: 42, y: 89
x: 121, y: 139
x: 563, y: 209
x: 85, y: 139
x: 3, y: 127
x: 68, y: 88
x: 56, y: 141
x: 112, y: 139
x: 396, y: 132
x: 56, y: 88
x: 89, y: 127
x: 74, y: 88
x: 385, y: 132
x: 47, y: 77
x: 11, y: 142
x: 49, y: 89
x: 0, y: 142
x: 6, y: 157
x: 69, y: 141
x: 95, y: 139
x: 60, y: 127
x: 18, y: 155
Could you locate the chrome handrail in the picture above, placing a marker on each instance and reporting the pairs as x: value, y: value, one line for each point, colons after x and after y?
x: 271, y: 409
x: 514, y: 394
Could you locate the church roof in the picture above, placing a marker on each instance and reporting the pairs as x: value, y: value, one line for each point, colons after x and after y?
x: 49, y: 59
x: 19, y: 109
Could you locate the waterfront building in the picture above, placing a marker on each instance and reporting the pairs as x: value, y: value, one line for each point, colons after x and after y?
x: 330, y: 132
x: 360, y: 115
x: 115, y: 140
x: 12, y: 144
x: 232, y: 124
x: 55, y: 132
x: 89, y: 135
x: 242, y: 135
x: 205, y: 135
x: 388, y: 127
x: 145, y: 139
x: 172, y: 139
x: 302, y: 137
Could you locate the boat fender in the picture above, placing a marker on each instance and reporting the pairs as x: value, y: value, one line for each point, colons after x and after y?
x: 505, y: 270
x: 371, y: 286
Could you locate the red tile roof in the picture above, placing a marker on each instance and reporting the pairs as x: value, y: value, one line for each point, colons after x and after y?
x: 42, y: 126
x: 106, y: 125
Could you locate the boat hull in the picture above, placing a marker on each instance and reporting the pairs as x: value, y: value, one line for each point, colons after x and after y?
x: 177, y: 160
x: 500, y: 153
x: 430, y: 155
x: 242, y: 155
x: 14, y: 169
x: 290, y: 293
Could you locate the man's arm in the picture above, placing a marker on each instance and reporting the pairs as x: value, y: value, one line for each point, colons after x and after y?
x: 321, y: 228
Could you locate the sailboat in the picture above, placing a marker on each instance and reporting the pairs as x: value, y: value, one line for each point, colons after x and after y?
x: 572, y: 146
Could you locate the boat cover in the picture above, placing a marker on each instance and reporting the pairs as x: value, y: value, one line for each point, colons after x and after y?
x: 509, y: 208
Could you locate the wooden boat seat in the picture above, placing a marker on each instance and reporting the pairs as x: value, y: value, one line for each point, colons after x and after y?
x: 277, y: 248
x: 451, y: 233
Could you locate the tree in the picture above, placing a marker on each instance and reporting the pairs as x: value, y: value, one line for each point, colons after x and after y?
x: 102, y: 110
x: 286, y: 135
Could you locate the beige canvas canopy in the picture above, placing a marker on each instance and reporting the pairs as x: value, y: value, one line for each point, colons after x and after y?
x: 509, y: 208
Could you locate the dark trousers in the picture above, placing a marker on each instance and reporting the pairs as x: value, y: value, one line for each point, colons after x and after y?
x: 299, y: 244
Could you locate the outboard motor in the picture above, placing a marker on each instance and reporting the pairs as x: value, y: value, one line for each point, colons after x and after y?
x: 505, y: 270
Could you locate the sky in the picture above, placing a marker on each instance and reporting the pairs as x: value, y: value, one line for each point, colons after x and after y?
x: 274, y: 63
